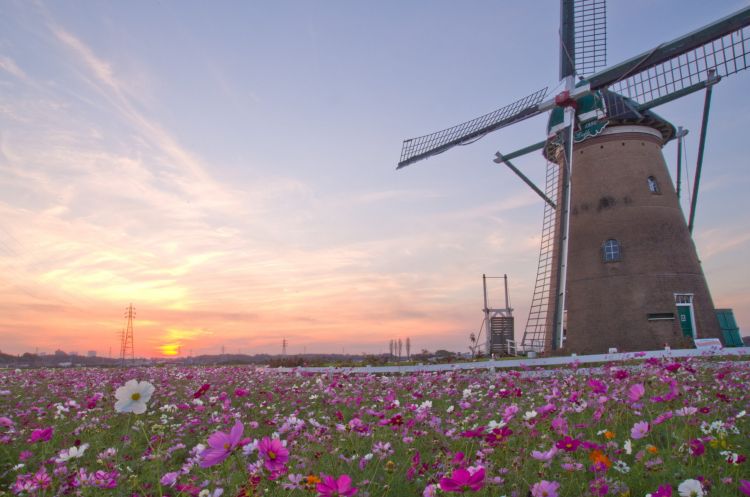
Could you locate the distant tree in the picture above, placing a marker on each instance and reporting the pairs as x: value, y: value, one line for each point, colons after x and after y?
x: 390, y: 348
x: 408, y: 348
x: 400, y: 346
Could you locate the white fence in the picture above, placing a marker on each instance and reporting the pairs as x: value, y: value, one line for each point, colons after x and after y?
x: 527, y: 363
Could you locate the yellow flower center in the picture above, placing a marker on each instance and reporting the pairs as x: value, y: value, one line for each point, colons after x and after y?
x: 135, y: 396
x: 227, y: 446
x: 271, y: 455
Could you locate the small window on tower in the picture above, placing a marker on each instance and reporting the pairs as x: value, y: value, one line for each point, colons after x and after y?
x: 611, y: 249
x: 653, y: 185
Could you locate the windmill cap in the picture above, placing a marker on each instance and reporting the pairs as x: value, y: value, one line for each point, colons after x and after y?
x: 600, y: 109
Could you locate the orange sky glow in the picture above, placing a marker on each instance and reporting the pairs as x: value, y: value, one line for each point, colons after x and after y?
x: 238, y: 185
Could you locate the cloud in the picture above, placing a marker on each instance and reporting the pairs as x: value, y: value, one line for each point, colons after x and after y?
x: 9, y: 65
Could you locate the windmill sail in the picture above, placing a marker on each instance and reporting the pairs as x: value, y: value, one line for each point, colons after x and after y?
x: 590, y: 21
x: 415, y: 149
x: 675, y: 67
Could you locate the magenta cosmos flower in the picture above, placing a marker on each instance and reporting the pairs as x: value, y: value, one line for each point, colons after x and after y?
x: 41, y: 435
x: 220, y: 445
x: 568, y: 444
x: 332, y: 487
x: 545, y: 488
x: 663, y: 491
x: 462, y: 480
x: 274, y: 454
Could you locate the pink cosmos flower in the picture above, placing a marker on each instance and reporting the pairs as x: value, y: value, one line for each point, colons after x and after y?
x: 635, y: 392
x: 220, y: 445
x: 663, y: 491
x: 545, y: 488
x: 544, y: 456
x: 462, y: 480
x: 274, y: 454
x: 639, y: 430
x: 41, y: 435
x: 332, y: 487
x: 745, y: 487
x: 430, y: 490
x: 169, y: 478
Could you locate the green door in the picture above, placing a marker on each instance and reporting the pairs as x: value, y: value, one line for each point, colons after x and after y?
x: 686, y: 320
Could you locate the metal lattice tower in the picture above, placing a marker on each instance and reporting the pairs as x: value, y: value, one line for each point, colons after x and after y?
x: 535, y: 334
x: 127, y: 350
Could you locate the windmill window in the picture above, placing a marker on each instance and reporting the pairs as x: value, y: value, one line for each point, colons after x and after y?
x: 653, y: 185
x: 611, y: 251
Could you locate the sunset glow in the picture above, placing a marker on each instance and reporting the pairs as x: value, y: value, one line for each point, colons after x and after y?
x: 231, y: 172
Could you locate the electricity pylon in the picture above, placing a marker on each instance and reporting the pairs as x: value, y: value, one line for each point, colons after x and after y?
x: 126, y: 347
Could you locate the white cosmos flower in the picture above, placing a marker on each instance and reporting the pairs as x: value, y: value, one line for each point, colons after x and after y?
x: 71, y: 453
x: 690, y: 488
x: 132, y: 396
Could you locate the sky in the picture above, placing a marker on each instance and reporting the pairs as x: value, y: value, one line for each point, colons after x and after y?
x: 229, y: 169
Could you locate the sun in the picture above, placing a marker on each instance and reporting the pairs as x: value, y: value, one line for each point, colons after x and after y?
x: 170, y: 349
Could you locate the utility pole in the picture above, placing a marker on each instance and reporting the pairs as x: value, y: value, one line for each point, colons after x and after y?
x: 283, y: 346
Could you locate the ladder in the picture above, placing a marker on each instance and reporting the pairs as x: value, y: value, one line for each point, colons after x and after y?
x: 536, y: 330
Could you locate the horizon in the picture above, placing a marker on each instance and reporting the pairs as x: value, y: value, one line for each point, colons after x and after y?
x: 230, y: 171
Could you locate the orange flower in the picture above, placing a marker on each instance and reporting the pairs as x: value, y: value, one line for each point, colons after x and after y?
x: 652, y: 449
x: 597, y: 456
x: 311, y: 481
x: 609, y: 435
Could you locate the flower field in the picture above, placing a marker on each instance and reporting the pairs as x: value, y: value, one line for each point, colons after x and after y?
x: 658, y: 427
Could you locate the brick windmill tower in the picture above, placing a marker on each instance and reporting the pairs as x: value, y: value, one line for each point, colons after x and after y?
x: 617, y: 265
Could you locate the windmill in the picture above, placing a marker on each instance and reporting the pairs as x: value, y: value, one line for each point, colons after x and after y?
x: 617, y: 264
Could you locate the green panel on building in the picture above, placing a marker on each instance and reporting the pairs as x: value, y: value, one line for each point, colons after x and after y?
x: 729, y: 329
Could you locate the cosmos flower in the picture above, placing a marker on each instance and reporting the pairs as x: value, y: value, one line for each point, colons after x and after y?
x: 568, y: 444
x: 639, y: 430
x: 690, y: 488
x: 745, y: 487
x: 635, y: 392
x: 545, y: 488
x: 203, y: 389
x: 221, y: 445
x: 169, y: 479
x: 335, y: 487
x: 662, y: 491
x: 544, y: 456
x: 71, y: 453
x: 696, y: 447
x: 462, y: 480
x: 133, y: 396
x: 274, y: 454
x: 41, y: 435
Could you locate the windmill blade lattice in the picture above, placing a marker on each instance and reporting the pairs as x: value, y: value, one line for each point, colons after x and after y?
x: 722, y: 48
x: 590, y: 21
x: 415, y: 149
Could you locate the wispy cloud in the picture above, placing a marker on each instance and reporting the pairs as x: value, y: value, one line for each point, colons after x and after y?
x: 9, y: 65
